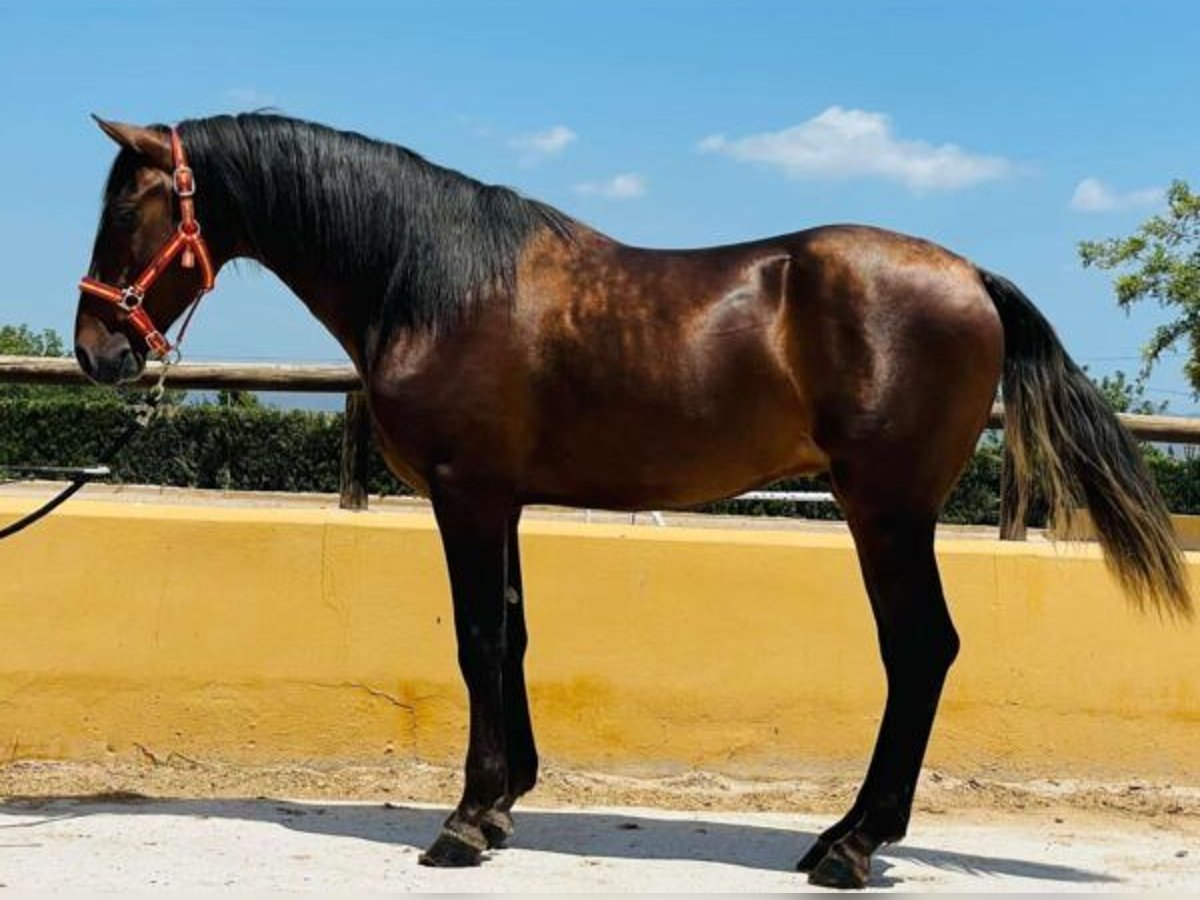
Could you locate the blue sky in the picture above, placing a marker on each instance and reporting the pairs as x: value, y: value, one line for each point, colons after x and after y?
x: 1007, y: 131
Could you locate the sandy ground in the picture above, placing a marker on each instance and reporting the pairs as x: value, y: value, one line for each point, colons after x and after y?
x: 182, y: 824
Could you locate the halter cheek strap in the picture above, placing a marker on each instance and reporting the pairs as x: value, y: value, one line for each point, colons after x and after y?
x: 186, y: 243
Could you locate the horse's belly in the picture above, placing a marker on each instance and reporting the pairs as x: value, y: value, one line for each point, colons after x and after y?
x: 643, y: 455
x: 673, y: 485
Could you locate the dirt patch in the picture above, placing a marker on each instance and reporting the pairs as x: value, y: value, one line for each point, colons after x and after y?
x: 418, y: 782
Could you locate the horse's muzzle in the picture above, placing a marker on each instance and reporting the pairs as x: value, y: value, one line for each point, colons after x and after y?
x: 110, y: 368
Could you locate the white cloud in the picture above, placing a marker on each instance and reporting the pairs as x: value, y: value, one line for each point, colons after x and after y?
x: 538, y: 145
x: 625, y: 186
x: 853, y: 143
x: 1094, y: 196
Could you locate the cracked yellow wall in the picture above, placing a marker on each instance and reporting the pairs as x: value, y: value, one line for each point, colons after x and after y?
x: 268, y: 635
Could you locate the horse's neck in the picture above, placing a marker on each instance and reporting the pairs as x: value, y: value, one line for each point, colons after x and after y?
x: 415, y: 275
x: 330, y: 297
x: 335, y: 305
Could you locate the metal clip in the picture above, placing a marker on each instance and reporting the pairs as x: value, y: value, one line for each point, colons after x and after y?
x: 131, y: 299
x: 147, y: 409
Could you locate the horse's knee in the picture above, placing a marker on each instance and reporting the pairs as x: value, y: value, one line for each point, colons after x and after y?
x: 927, y: 650
x: 940, y: 646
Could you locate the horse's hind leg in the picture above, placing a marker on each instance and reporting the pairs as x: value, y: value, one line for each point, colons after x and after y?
x: 520, y: 749
x: 918, y: 644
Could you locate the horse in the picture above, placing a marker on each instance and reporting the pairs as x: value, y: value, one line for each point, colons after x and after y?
x: 513, y: 355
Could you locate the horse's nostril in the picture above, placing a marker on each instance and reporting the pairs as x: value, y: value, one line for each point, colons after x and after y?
x: 128, y: 365
x: 87, y: 362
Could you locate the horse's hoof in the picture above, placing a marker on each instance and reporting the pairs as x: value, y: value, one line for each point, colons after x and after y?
x: 841, y: 868
x: 497, y: 828
x: 813, y: 857
x: 457, y: 849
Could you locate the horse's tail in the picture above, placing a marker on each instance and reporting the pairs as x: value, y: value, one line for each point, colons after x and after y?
x: 1060, y: 431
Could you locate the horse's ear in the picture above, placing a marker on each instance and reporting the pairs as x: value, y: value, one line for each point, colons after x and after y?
x: 152, y: 144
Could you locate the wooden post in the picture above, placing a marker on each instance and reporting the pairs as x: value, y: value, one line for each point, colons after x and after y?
x: 1010, y: 528
x: 356, y: 452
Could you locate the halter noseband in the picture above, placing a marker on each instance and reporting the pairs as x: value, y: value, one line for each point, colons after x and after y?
x: 186, y: 243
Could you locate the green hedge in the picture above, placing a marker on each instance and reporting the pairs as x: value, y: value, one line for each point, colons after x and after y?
x: 202, y: 445
x: 267, y: 449
x: 975, y: 500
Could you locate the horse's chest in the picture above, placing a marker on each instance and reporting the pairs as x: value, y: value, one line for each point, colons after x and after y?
x: 453, y: 402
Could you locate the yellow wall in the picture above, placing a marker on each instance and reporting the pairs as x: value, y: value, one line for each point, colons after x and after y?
x: 266, y: 635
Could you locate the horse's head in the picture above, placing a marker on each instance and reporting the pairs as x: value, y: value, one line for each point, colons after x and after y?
x: 133, y: 291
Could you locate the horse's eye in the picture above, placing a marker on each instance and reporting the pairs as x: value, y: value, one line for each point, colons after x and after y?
x: 125, y: 217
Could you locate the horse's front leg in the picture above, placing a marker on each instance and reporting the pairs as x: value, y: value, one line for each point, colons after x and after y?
x: 474, y: 526
x: 518, y: 730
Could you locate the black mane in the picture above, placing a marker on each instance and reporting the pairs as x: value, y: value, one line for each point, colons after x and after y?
x: 429, y: 241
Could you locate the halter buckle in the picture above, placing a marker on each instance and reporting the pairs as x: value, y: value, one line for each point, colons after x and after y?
x: 183, y: 181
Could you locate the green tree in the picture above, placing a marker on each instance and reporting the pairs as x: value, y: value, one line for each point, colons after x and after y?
x: 21, y: 340
x: 1160, y: 261
x: 238, y: 399
x: 1125, y: 396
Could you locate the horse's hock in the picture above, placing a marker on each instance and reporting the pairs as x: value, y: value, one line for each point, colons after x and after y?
x: 268, y: 635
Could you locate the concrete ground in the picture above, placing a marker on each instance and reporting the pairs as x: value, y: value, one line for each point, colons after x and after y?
x: 137, y: 843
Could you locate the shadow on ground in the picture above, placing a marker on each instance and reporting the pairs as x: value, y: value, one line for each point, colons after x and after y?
x: 586, y: 834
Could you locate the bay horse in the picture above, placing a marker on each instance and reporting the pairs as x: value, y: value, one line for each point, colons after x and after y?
x: 512, y: 355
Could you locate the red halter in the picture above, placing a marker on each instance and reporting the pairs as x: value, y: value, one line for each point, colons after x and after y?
x: 186, y: 241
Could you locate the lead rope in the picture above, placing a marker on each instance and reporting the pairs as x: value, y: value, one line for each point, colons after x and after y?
x: 144, y: 412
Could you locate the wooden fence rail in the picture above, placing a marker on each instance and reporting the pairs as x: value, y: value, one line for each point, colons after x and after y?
x: 201, y: 376
x: 343, y: 379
